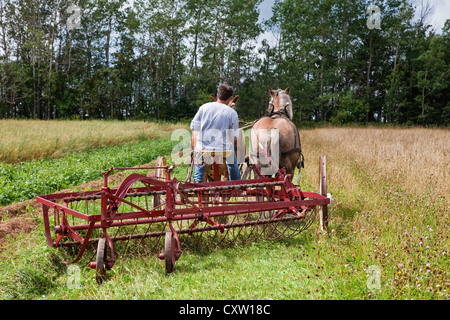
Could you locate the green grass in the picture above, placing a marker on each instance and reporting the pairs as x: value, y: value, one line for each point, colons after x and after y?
x: 262, y: 270
x: 310, y: 266
x: 26, y: 180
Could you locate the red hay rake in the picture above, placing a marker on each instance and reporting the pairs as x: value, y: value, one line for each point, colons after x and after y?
x: 156, y: 214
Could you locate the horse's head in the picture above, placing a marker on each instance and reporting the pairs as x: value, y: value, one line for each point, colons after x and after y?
x: 232, y: 102
x: 280, y: 102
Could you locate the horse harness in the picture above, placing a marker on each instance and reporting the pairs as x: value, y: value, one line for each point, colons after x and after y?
x: 283, y: 114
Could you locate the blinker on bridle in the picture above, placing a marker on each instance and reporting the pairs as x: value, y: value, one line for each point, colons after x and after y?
x: 282, y: 109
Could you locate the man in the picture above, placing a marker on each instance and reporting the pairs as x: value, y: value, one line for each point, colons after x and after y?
x: 213, y: 126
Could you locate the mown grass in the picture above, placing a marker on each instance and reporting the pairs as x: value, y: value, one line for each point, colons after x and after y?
x: 385, y: 217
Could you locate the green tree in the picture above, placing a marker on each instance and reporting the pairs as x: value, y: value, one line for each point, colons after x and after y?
x: 432, y: 79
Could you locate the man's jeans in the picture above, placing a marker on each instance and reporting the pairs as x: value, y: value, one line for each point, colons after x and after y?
x: 233, y: 171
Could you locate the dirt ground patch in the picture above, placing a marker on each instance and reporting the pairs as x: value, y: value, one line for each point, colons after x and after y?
x: 15, y: 226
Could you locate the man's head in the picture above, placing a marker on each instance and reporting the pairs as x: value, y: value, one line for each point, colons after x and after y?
x: 224, y: 92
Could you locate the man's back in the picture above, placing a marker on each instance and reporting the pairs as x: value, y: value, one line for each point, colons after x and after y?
x: 213, y: 120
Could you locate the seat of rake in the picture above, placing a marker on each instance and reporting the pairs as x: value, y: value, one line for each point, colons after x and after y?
x: 215, y: 164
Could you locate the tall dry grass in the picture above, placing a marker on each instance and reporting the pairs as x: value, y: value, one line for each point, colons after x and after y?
x: 416, y: 159
x: 24, y: 140
x: 391, y: 209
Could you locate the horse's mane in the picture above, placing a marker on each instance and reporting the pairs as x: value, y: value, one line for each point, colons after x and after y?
x: 285, y: 103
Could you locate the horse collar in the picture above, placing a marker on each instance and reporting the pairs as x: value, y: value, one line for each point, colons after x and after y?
x: 279, y: 114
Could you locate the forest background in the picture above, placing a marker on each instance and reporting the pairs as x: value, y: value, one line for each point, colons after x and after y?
x: 159, y: 59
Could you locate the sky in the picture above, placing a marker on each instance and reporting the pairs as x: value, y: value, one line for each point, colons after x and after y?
x: 439, y: 14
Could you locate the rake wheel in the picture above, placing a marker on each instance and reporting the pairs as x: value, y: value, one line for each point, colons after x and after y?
x: 170, y: 249
x: 323, y: 191
x: 100, y: 268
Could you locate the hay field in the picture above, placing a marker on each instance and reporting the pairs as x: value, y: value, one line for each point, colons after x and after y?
x: 24, y: 140
x: 417, y: 160
x: 391, y: 211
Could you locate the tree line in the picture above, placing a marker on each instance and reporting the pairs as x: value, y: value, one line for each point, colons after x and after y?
x: 162, y: 59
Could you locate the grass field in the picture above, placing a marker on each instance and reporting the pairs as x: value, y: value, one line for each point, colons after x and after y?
x: 390, y: 215
x: 24, y: 140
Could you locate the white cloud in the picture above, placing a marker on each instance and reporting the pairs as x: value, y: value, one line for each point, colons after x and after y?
x: 440, y: 14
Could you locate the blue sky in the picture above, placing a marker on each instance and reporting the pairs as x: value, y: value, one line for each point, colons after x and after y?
x: 266, y: 9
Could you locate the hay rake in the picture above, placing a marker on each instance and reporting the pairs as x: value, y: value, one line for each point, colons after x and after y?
x: 155, y: 213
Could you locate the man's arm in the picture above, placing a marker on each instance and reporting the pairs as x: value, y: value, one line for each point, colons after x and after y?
x: 195, y: 127
x: 194, y: 139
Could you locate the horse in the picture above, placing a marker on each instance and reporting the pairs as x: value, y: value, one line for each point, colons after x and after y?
x: 279, y: 116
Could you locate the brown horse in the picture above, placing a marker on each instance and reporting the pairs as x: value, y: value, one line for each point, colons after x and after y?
x: 279, y: 118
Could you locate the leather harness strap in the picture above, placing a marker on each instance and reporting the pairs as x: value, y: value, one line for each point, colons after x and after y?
x: 301, y: 163
x: 283, y: 114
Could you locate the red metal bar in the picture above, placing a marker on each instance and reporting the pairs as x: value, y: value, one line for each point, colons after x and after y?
x: 191, y: 213
x: 199, y: 229
x: 74, y: 213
